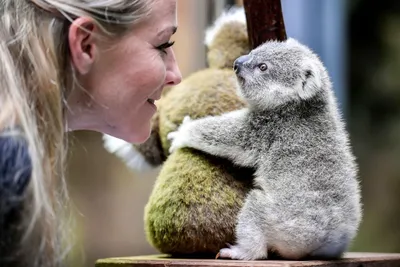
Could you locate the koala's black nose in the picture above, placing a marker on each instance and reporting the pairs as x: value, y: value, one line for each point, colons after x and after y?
x: 238, y: 64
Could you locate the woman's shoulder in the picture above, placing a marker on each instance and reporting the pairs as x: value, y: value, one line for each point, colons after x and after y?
x: 15, y: 173
x: 15, y: 168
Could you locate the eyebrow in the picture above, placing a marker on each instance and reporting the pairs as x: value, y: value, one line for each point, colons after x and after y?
x: 169, y: 29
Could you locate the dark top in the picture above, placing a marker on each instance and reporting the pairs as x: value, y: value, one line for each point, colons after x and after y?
x: 15, y: 172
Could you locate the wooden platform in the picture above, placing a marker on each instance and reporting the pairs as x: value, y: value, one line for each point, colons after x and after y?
x: 350, y: 260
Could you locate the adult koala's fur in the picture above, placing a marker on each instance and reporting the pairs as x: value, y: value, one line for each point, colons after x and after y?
x: 196, y: 197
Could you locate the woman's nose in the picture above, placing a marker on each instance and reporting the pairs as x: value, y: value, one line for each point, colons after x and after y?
x: 173, y: 75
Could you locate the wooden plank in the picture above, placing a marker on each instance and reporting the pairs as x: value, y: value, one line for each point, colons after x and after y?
x: 349, y: 260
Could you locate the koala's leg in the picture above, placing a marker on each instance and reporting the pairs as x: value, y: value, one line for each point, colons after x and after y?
x: 250, y: 232
x: 222, y: 136
x: 333, y: 249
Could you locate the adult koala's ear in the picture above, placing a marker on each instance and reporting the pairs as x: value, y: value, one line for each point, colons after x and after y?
x: 152, y: 149
x: 226, y: 39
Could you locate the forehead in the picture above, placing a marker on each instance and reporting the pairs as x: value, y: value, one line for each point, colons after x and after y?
x: 269, y: 48
x: 279, y: 51
x: 163, y: 12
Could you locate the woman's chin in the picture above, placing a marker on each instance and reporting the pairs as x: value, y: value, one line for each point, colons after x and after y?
x: 138, y: 136
x: 134, y: 132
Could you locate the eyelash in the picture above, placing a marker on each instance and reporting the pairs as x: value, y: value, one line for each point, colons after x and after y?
x: 163, y: 47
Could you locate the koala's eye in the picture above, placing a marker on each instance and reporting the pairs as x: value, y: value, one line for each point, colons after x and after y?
x: 263, y: 67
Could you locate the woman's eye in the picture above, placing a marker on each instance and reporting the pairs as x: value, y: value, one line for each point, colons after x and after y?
x: 263, y: 67
x: 164, y: 46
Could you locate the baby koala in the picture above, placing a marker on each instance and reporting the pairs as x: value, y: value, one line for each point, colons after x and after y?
x: 306, y: 198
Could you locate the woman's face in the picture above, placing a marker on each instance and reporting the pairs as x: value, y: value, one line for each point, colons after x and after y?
x: 126, y: 78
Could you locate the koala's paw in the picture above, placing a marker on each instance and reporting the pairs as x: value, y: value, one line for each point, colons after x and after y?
x: 236, y: 253
x: 232, y: 252
x: 180, y: 137
x: 186, y: 120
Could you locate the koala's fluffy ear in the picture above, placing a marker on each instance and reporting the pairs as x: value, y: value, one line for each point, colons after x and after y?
x: 142, y: 157
x: 227, y: 38
x: 311, y: 80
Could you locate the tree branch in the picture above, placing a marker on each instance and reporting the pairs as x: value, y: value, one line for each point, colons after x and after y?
x: 264, y: 21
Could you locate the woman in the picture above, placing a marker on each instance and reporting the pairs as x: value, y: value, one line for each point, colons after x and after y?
x: 68, y: 65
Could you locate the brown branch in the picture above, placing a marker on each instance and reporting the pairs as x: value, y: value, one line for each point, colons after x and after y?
x: 264, y: 21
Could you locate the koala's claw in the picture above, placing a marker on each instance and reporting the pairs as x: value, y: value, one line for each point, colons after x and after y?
x: 186, y: 119
x: 179, y: 137
x: 171, y: 136
x: 175, y: 143
x: 223, y: 252
x: 235, y: 253
x: 226, y: 253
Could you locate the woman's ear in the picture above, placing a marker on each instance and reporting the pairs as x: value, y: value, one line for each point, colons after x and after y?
x: 82, y: 45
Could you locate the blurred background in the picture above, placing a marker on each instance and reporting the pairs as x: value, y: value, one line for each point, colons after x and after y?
x: 359, y: 42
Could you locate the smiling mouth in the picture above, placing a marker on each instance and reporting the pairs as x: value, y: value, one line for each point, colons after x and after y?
x: 151, y: 101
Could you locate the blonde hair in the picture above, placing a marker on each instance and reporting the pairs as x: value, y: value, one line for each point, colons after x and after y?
x: 36, y: 76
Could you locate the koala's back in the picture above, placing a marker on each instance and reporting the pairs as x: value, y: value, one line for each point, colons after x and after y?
x: 307, y: 192
x: 196, y: 197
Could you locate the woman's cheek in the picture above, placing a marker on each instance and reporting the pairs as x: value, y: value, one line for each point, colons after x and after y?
x: 162, y: 72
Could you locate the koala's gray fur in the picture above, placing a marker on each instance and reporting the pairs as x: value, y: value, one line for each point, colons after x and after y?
x: 306, y: 197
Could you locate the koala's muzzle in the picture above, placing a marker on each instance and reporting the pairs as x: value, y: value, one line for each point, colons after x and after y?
x: 238, y: 64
